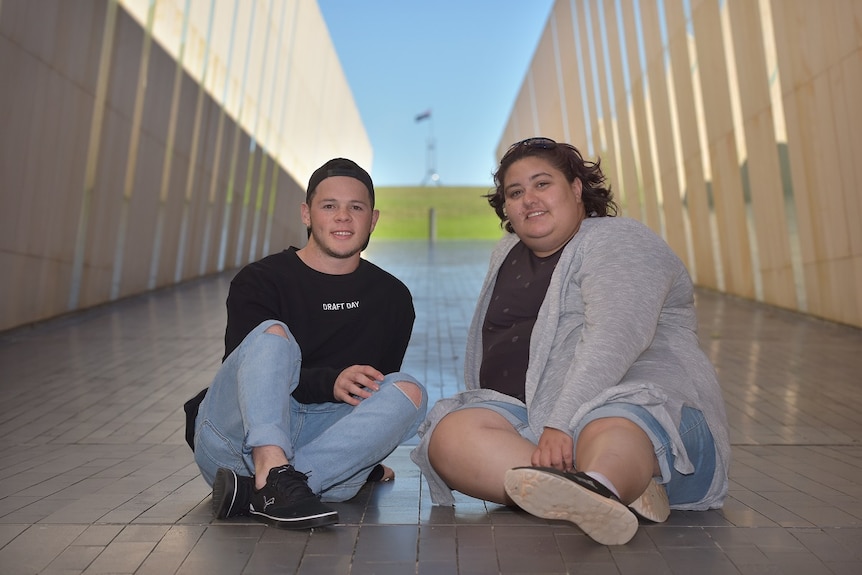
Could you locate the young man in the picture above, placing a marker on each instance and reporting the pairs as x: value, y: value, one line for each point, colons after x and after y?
x: 309, y: 398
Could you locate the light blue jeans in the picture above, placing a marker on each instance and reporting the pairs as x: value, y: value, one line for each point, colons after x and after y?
x: 337, y: 445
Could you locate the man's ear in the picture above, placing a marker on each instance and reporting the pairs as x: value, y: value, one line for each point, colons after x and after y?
x: 375, y: 215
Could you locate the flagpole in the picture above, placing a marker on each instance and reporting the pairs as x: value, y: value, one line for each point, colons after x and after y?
x: 431, y: 175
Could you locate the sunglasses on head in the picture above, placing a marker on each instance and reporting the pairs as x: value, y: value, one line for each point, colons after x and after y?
x: 543, y: 143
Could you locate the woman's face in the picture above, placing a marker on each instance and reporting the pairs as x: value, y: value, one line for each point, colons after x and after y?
x: 545, y: 210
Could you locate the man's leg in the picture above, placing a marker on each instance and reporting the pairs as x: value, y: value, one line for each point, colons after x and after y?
x: 248, y: 403
x: 242, y: 430
x: 338, y: 445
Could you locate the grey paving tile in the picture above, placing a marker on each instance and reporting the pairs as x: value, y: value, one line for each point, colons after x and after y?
x: 437, y: 567
x: 121, y: 557
x: 585, y: 568
x: 671, y: 536
x: 523, y: 549
x: 221, y: 551
x: 10, y: 532
x: 698, y: 560
x: 36, y: 547
x: 337, y: 540
x: 642, y: 563
x: 273, y: 557
x: 73, y: 559
x: 741, y: 515
x: 437, y: 544
x: 171, y: 550
x: 387, y: 543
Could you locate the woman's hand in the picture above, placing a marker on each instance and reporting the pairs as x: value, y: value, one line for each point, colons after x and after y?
x: 356, y: 383
x: 554, y: 450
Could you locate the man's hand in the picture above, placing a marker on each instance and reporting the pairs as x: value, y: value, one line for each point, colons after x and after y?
x: 554, y: 450
x: 356, y: 383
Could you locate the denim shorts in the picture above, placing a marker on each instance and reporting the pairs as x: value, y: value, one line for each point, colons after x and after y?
x: 696, y: 437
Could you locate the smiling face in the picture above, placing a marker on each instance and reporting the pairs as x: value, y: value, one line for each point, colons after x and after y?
x: 544, y: 209
x: 340, y: 219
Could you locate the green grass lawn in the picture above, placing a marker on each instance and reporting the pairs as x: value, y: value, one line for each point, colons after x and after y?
x: 460, y: 213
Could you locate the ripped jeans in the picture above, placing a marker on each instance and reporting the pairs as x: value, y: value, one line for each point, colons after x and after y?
x: 249, y: 404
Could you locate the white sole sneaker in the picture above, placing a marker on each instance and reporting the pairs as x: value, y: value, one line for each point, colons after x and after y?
x: 574, y: 497
x: 652, y: 505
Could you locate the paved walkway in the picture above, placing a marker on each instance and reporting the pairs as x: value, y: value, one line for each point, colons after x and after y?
x: 97, y: 477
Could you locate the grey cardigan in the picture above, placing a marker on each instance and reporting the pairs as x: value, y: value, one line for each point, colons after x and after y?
x: 617, y: 324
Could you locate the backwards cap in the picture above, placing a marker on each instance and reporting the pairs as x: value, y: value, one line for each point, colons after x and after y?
x: 339, y: 167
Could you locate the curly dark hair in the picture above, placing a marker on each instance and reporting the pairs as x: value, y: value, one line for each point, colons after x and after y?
x: 596, y: 195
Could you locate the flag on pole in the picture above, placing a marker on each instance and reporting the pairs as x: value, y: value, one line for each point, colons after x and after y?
x: 423, y: 116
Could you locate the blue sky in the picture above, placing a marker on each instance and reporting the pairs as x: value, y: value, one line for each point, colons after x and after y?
x: 464, y: 60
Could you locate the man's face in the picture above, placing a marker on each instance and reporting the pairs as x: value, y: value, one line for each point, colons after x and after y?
x: 340, y: 217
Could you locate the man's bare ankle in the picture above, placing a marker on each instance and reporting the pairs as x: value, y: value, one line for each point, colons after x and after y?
x: 262, y: 473
x: 266, y: 457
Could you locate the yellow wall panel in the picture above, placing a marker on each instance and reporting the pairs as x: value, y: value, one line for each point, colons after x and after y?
x: 857, y: 281
x: 761, y: 158
x: 569, y: 64
x: 642, y: 146
x: 667, y: 184
x: 815, y: 106
x: 768, y: 211
x: 591, y: 144
x: 851, y: 149
x: 843, y: 82
x: 727, y: 190
x: 628, y: 189
x: 798, y: 108
x: 829, y: 183
x: 731, y: 218
x: 524, y: 108
x: 546, y: 89
x: 695, y: 193
x: 608, y: 146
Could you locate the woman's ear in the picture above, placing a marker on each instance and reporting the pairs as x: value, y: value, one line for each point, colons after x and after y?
x: 578, y: 188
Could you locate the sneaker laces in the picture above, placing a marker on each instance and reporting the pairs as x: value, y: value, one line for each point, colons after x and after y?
x: 292, y: 484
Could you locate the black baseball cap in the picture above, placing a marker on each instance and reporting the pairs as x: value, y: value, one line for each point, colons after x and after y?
x: 339, y: 167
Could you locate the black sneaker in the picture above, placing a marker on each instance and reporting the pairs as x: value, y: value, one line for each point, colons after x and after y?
x: 576, y: 497
x: 231, y: 494
x: 286, y: 501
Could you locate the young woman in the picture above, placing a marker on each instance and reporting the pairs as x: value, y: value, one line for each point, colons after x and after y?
x: 588, y: 397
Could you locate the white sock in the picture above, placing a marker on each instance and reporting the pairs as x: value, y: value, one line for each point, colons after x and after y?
x: 604, y: 481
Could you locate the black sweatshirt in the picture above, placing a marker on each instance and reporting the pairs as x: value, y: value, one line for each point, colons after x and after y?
x: 361, y: 318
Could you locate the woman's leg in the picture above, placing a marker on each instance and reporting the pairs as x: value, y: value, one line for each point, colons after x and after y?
x: 471, y: 449
x: 621, y: 451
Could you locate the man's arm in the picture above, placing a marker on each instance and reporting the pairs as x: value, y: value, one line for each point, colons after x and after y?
x: 316, y: 385
x: 250, y: 302
x: 319, y: 384
x: 402, y: 329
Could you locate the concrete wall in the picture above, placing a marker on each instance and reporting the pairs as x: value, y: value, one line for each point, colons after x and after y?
x: 147, y: 143
x: 730, y: 127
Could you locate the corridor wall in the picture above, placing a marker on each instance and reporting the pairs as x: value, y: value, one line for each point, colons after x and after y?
x: 731, y: 127
x: 145, y: 143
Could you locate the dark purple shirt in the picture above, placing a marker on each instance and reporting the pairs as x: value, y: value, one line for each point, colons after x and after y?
x: 518, y: 294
